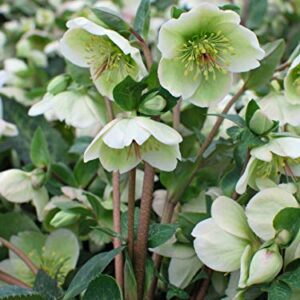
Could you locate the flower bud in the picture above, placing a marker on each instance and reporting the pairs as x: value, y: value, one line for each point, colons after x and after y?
x: 38, y: 178
x: 260, y: 123
x: 44, y: 17
x: 153, y: 104
x: 58, y: 84
x: 63, y: 218
x: 265, y: 265
x: 283, y: 237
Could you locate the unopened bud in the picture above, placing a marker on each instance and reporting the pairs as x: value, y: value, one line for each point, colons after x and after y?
x: 58, y: 84
x: 260, y: 123
x: 283, y: 237
x: 63, y: 218
x: 152, y: 105
x: 38, y: 178
x: 265, y: 265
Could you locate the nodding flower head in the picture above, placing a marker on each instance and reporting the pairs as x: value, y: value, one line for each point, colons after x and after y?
x: 201, y: 49
x: 107, y: 54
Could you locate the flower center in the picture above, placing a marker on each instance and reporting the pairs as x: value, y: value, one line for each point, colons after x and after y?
x: 205, y: 54
x: 103, y: 55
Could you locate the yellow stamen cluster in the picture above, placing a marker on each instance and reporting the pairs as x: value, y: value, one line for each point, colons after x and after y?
x: 103, y: 55
x: 204, y: 54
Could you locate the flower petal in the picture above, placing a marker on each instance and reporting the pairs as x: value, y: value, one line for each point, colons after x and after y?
x: 163, y: 133
x: 230, y: 217
x: 286, y: 147
x: 241, y: 185
x: 264, y: 206
x: 216, y: 248
x: 171, y: 76
x: 212, y: 90
x: 40, y: 199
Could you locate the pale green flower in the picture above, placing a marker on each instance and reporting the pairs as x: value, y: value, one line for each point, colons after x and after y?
x: 123, y: 143
x: 56, y: 254
x: 221, y: 240
x: 18, y: 186
x: 200, y: 51
x: 264, y: 206
x: 279, y: 155
x: 76, y: 108
x: 292, y: 82
x: 107, y: 54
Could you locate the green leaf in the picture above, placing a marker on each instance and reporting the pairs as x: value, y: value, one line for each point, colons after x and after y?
x: 177, y: 293
x: 232, y: 7
x: 193, y: 117
x: 279, y: 291
x: 104, y: 287
x: 256, y: 13
x: 112, y: 20
x: 129, y: 280
x: 63, y: 174
x: 81, y: 143
x: 288, y: 219
x: 124, y: 222
x: 229, y: 181
x: 233, y: 118
x: 84, y: 173
x: 291, y: 278
x: 12, y: 292
x: 176, y: 12
x: 263, y: 74
x: 128, y: 93
x: 160, y: 233
x: 142, y: 19
x: 252, y: 107
x: 79, y: 75
x: 47, y: 286
x: 39, y: 152
x: 89, y: 272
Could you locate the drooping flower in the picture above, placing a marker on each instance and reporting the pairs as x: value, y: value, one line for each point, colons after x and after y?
x: 292, y: 82
x: 46, y: 252
x: 279, y: 155
x: 76, y: 108
x: 18, y: 186
x: 107, y: 54
x: 201, y: 49
x: 221, y: 240
x: 264, y: 206
x: 123, y: 143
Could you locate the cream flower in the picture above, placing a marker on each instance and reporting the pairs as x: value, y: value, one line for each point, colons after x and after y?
x: 109, y: 56
x: 75, y: 108
x: 201, y: 49
x: 292, y: 82
x: 18, y: 186
x: 221, y: 240
x: 268, y: 161
x: 123, y: 143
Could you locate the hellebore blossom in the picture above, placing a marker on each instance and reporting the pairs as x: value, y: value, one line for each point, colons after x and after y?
x: 264, y: 206
x: 18, y: 186
x: 279, y: 155
x: 109, y: 56
x: 200, y: 51
x: 123, y: 143
x: 292, y: 82
x: 221, y: 240
x: 46, y: 252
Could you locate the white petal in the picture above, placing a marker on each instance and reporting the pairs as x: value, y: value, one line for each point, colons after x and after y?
x: 286, y: 146
x: 8, y: 129
x: 241, y: 185
x: 93, y: 150
x: 15, y: 186
x: 40, y: 199
x: 263, y: 152
x: 264, y: 206
x: 216, y: 248
x: 230, y: 217
x: 171, y: 76
x: 182, y: 271
x: 163, y: 133
x: 212, y: 90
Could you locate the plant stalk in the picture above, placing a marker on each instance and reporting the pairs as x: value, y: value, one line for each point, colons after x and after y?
x: 7, y: 278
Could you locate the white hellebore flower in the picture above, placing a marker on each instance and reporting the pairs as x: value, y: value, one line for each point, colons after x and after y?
x: 280, y: 155
x: 221, y: 240
x: 264, y: 206
x: 75, y: 108
x: 292, y: 82
x: 123, y: 143
x: 18, y: 186
x: 201, y: 49
x: 109, y: 56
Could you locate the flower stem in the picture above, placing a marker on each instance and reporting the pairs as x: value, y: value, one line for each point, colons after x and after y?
x: 33, y: 268
x: 140, y: 254
x: 131, y: 207
x: 172, y: 200
x: 7, y: 278
x: 119, y: 272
